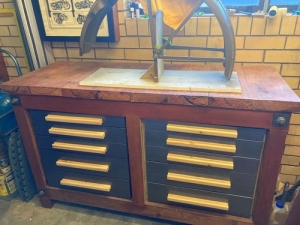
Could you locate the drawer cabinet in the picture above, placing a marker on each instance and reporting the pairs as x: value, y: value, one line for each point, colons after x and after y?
x: 83, y: 152
x: 185, y: 156
x: 213, y: 162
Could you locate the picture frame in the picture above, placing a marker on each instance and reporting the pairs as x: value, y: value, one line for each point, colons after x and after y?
x: 62, y: 20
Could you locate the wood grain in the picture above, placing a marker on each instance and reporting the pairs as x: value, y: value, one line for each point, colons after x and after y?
x: 262, y: 87
x: 269, y: 169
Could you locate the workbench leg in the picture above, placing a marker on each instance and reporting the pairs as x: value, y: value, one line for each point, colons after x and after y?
x: 46, y: 202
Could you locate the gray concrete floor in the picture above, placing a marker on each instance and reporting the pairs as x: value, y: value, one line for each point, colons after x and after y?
x: 17, y: 212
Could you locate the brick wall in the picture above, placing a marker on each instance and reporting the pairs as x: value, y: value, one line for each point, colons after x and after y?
x: 259, y: 40
x: 10, y: 40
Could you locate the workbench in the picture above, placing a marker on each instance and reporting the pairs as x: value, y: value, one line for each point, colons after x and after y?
x: 192, y: 157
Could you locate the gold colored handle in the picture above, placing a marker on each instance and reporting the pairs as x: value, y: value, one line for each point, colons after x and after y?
x: 201, y: 160
x: 70, y: 118
x: 77, y: 132
x: 83, y: 165
x: 221, y: 204
x: 87, y: 185
x: 229, y: 132
x: 98, y: 149
x: 221, y: 183
x: 207, y: 145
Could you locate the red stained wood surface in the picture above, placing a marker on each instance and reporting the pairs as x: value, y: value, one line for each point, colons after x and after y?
x: 262, y: 87
x: 3, y: 70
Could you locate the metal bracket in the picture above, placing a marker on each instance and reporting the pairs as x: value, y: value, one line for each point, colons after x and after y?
x: 15, y: 100
x: 281, y: 120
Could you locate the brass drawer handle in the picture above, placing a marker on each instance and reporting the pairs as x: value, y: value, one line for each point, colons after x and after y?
x: 228, y: 132
x: 221, y: 183
x: 207, y: 145
x: 201, y: 160
x: 70, y: 118
x: 77, y: 132
x: 215, y: 204
x: 80, y: 147
x: 83, y: 165
x: 87, y: 185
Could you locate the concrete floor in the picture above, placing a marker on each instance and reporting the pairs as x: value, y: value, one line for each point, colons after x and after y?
x: 17, y: 212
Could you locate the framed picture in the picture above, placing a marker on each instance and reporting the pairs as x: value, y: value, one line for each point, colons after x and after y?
x: 62, y: 20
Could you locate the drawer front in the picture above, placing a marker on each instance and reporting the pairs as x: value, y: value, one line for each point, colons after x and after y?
x: 89, y: 183
x: 237, y: 147
x: 94, y: 147
x: 87, y: 164
x: 253, y: 134
x: 195, y: 159
x: 108, y: 134
x: 73, y: 118
x: 231, y: 204
x: 217, y: 180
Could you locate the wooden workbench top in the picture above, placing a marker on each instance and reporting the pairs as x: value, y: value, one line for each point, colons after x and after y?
x: 262, y: 87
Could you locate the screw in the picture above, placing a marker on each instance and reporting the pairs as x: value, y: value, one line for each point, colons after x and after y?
x: 41, y: 193
x: 281, y: 120
x: 14, y: 101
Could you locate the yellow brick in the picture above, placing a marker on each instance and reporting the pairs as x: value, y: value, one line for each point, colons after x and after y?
x: 95, y: 60
x: 206, y: 54
x: 215, y: 42
x: 282, y: 56
x: 61, y: 59
x: 10, y: 41
x: 145, y: 42
x: 121, y: 16
x: 288, y: 25
x: 295, y: 119
x: 75, y: 60
x: 297, y: 30
x: 292, y: 150
x: 22, y: 62
x: 293, y: 170
x: 59, y: 52
x: 174, y: 52
x: 191, y: 26
x: 58, y: 44
x: 293, y: 42
x: 249, y: 55
x: 4, y: 31
x: 122, y: 30
x: 265, y: 42
x: 74, y: 53
x: 109, y: 53
x: 203, y: 26
x: 8, y: 5
x: 218, y: 42
x: 12, y: 72
x: 292, y: 140
x: 13, y: 31
x: 100, y: 45
x: 290, y: 160
x: 273, y: 25
x: 244, y: 25
x: 234, y: 21
x: 138, y: 54
x: 294, y: 130
x: 131, y: 27
x: 12, y: 50
x: 293, y: 82
x: 287, y: 178
x: 190, y: 41
x: 143, y: 27
x: 72, y: 44
x: 258, y: 26
x: 215, y: 28
x: 125, y: 42
x: 121, y: 5
x: 7, y: 21
x: 20, y: 52
x: 290, y: 70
